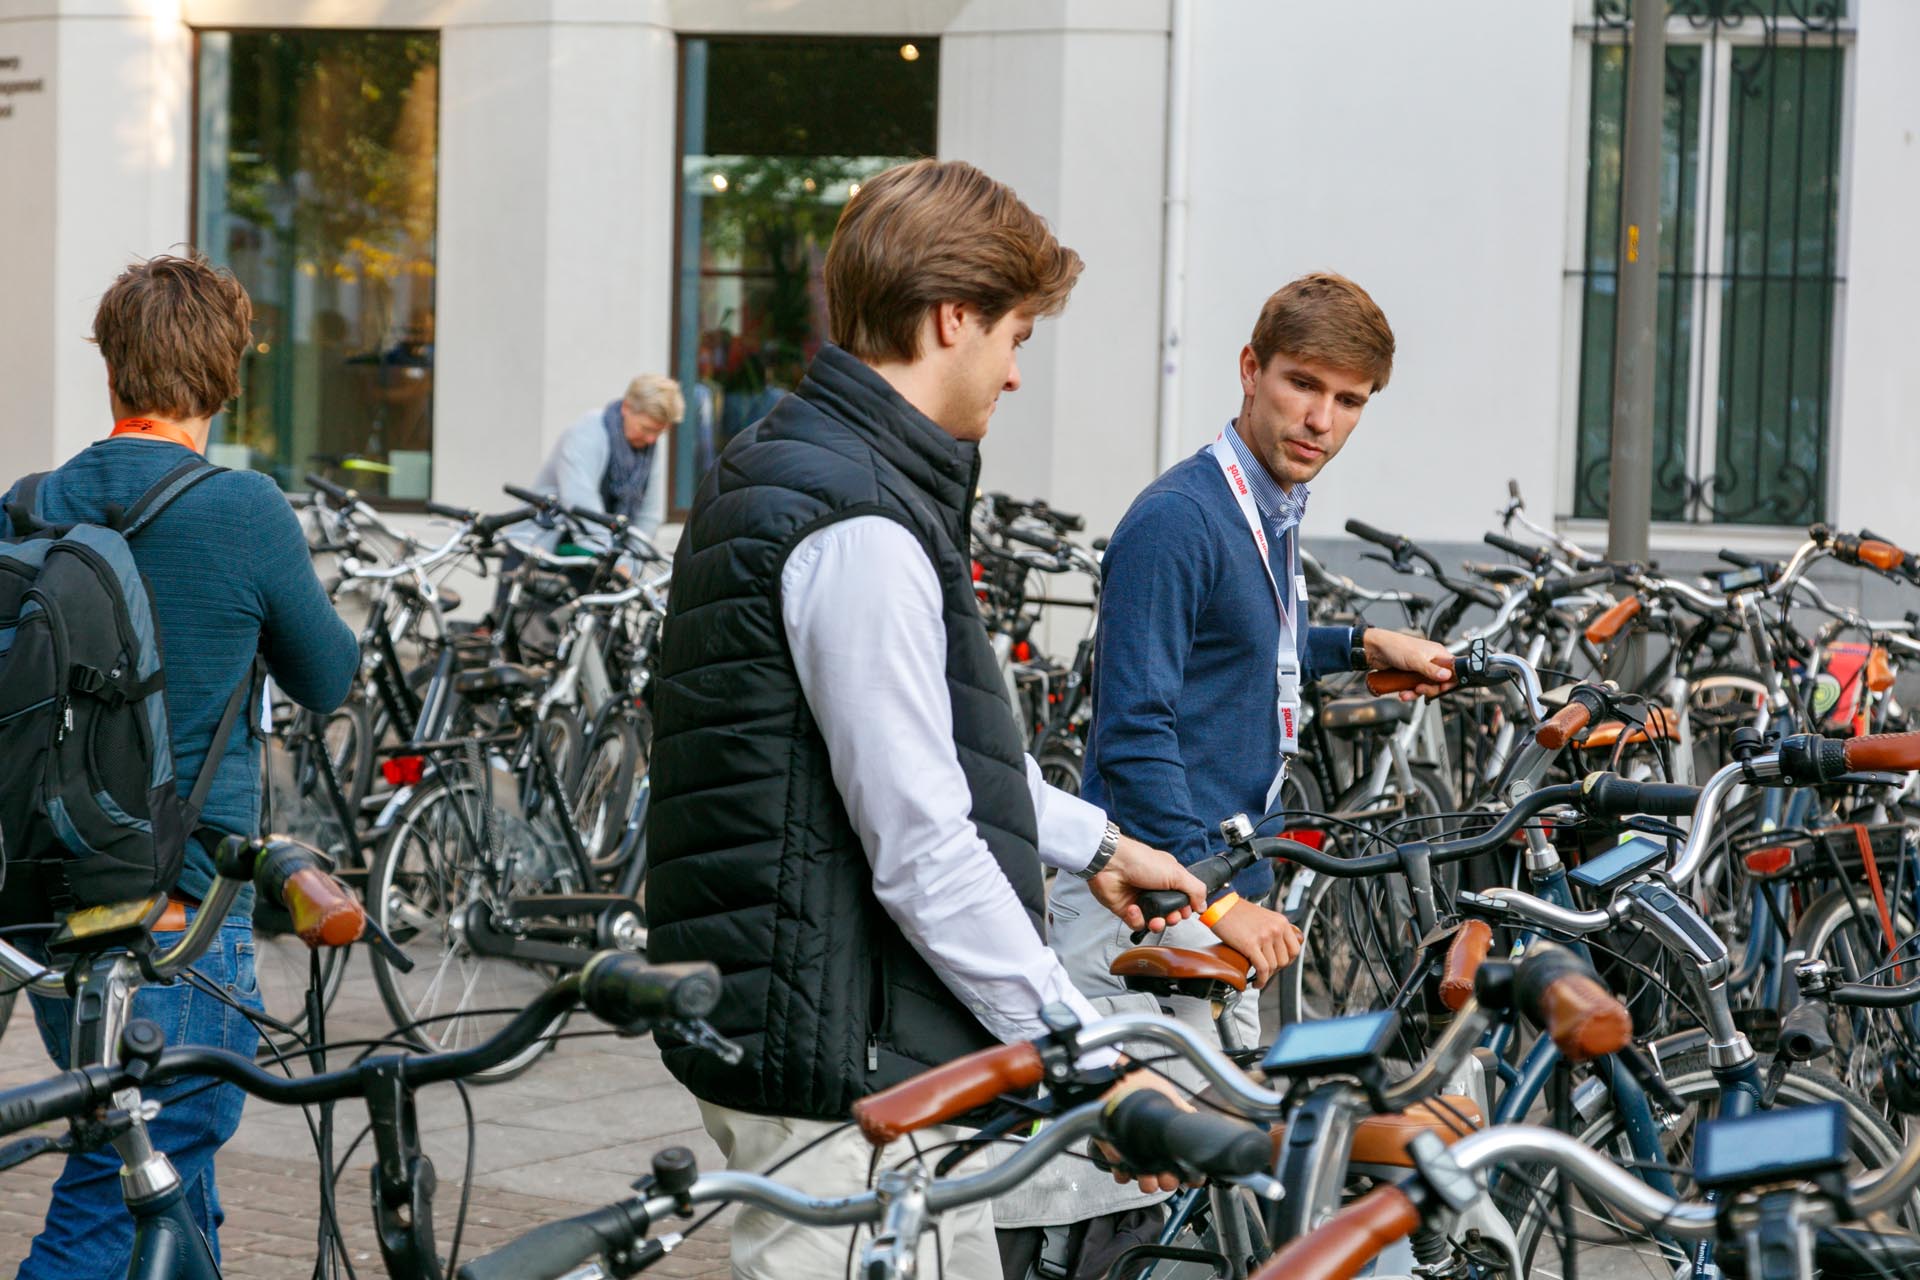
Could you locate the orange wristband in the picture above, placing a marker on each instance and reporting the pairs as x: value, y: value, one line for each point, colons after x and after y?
x: 1211, y: 916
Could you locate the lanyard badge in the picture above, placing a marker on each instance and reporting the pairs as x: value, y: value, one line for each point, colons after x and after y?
x: 1287, y: 676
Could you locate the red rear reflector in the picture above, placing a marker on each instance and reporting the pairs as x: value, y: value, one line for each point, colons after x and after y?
x: 403, y: 771
x: 1023, y: 652
x: 1768, y: 862
x: 979, y: 571
x: 1311, y: 839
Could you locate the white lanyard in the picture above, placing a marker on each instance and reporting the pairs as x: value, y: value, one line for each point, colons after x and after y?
x: 1287, y: 662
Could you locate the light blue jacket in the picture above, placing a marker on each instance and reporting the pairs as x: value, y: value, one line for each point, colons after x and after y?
x: 578, y: 464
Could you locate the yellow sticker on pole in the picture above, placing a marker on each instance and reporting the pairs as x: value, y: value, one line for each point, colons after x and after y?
x: 1633, y: 242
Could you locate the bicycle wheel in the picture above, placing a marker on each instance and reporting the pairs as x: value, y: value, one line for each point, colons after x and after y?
x: 615, y: 760
x: 1608, y: 1246
x: 1062, y: 760
x: 429, y: 872
x: 1842, y: 927
x: 1359, y: 936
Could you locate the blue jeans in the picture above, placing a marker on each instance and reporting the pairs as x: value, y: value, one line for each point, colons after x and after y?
x: 89, y: 1233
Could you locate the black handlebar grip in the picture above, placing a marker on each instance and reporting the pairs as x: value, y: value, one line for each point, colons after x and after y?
x: 487, y: 526
x: 1367, y: 533
x: 1500, y: 541
x: 1740, y: 558
x: 1609, y: 795
x: 1046, y: 542
x: 621, y: 988
x: 1212, y: 872
x: 1068, y: 522
x: 543, y: 501
x: 1155, y: 1136
x: 1558, y: 588
x: 67, y: 1094
x: 450, y: 511
x: 328, y: 487
x: 1479, y: 595
x: 550, y: 1251
x: 600, y: 518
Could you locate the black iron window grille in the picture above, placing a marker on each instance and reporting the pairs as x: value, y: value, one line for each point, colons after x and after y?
x: 1749, y: 258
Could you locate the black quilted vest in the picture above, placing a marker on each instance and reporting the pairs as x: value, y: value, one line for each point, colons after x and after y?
x: 754, y: 863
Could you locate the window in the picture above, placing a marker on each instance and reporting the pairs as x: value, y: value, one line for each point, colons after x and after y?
x: 1749, y: 267
x: 776, y: 134
x: 316, y: 186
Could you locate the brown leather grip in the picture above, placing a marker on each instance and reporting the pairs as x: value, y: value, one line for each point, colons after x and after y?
x: 1470, y: 946
x: 325, y: 913
x: 1618, y: 614
x: 1381, y: 683
x: 1559, y: 729
x: 1884, y: 752
x: 1881, y: 555
x: 1348, y: 1240
x: 948, y: 1092
x: 1584, y: 1018
x: 1880, y: 677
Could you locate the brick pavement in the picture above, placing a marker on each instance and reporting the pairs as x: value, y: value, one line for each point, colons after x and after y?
x: 569, y: 1135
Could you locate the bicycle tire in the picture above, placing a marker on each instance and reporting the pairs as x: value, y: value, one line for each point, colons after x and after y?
x: 614, y: 761
x: 1861, y: 1037
x: 1357, y: 936
x: 1525, y: 1192
x: 425, y: 872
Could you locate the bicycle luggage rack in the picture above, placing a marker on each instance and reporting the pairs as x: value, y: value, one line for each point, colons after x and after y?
x: 1801, y: 854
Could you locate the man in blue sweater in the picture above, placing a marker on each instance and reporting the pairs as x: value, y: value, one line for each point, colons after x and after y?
x: 1203, y: 639
x: 231, y: 578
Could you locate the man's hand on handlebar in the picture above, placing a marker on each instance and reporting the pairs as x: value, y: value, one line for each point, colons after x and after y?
x: 1397, y: 651
x: 1143, y: 1078
x: 1136, y: 867
x: 1268, y: 940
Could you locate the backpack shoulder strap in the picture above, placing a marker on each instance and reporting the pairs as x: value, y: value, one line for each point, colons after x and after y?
x: 20, y: 511
x: 217, y: 749
x: 163, y: 493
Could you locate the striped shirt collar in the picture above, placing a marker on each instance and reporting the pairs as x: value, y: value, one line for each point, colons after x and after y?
x: 1282, y: 510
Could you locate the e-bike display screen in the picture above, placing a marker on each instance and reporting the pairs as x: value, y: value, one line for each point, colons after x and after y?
x: 1332, y: 1046
x: 1789, y: 1144
x: 1742, y: 579
x: 1632, y: 857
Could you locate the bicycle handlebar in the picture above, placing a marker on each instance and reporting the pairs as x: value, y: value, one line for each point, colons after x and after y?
x: 621, y: 993
x: 1608, y: 795
x: 1464, y: 957
x: 1547, y: 590
x: 542, y: 501
x: 553, y: 1249
x: 948, y: 1092
x: 295, y: 877
x: 1560, y: 993
x: 1618, y: 615
x: 1156, y: 1136
x: 1537, y: 557
x: 1379, y: 537
x: 1557, y: 730
x: 340, y: 494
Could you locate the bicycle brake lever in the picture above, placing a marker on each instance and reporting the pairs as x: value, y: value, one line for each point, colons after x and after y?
x: 699, y: 1033
x: 390, y: 950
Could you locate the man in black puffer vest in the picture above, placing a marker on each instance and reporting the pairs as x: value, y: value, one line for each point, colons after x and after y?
x: 844, y: 818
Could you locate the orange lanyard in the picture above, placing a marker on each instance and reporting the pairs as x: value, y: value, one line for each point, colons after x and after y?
x: 155, y: 431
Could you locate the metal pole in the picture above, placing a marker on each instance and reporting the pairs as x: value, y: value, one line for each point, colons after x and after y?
x: 1630, y: 501
x: 1630, y: 495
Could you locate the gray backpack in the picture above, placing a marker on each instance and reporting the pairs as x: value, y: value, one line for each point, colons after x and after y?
x: 88, y: 804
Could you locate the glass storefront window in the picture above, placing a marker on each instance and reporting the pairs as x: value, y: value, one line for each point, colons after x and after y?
x: 316, y: 185
x: 776, y: 134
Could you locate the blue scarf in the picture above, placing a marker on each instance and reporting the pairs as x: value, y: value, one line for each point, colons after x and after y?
x: 625, y: 485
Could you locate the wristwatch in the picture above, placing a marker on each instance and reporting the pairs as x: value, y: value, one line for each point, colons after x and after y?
x: 1357, y: 648
x: 1109, y: 842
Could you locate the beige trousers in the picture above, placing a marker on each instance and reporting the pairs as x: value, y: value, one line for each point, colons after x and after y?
x: 767, y: 1246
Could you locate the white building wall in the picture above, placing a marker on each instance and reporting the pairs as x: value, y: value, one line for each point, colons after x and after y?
x: 1426, y: 150
x: 1421, y: 150
x: 1877, y: 426
x: 101, y: 157
x: 1064, y: 101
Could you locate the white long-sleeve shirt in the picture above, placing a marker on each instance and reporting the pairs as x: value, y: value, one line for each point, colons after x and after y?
x: 860, y: 603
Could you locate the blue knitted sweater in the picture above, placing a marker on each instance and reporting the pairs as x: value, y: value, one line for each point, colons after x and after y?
x: 1184, y: 728
x: 230, y: 575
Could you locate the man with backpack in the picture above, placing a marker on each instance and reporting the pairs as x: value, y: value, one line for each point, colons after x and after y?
x: 196, y: 572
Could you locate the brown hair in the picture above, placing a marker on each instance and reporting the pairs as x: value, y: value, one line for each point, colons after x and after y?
x: 937, y: 231
x: 1330, y: 320
x: 172, y: 330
